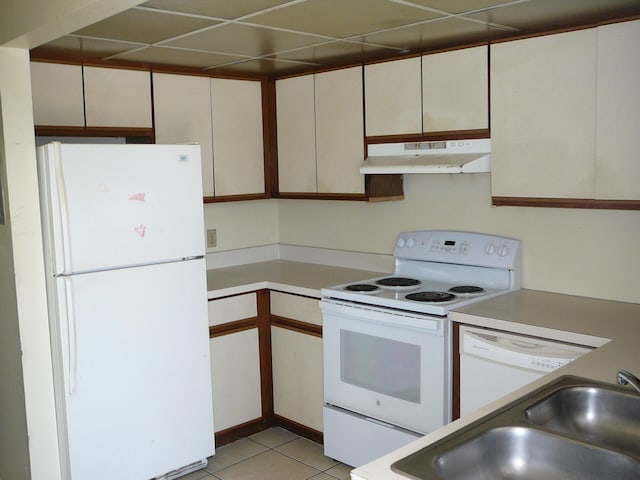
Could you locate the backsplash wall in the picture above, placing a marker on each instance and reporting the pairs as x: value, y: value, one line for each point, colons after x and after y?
x: 582, y: 252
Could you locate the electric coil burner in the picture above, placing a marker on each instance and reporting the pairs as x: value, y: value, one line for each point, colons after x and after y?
x: 436, y: 297
x: 467, y: 290
x: 362, y: 288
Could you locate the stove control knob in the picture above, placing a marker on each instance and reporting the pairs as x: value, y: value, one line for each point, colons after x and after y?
x: 503, y: 250
x: 401, y: 242
x: 490, y: 249
x: 411, y: 242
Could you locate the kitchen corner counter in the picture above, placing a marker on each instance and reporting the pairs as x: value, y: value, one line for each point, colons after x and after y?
x: 292, y: 277
x: 612, y: 327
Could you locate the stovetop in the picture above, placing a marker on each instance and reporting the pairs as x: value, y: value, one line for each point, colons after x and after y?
x: 437, y: 271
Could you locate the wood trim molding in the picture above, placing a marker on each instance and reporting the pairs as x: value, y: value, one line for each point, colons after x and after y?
x: 298, y: 428
x: 566, y: 203
x: 264, y: 346
x: 297, y: 326
x: 232, y: 327
x: 455, y: 370
x: 322, y: 196
x: 231, y: 434
x: 430, y: 136
x: 64, y: 131
x: 236, y: 198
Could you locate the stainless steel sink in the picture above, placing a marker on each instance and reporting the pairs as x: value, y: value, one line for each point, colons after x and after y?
x: 605, y: 416
x: 571, y: 429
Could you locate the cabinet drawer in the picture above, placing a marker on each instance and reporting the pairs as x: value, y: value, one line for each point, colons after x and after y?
x: 295, y: 307
x: 231, y: 309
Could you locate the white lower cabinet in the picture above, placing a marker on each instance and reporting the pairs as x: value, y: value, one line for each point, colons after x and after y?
x: 235, y: 378
x: 297, y: 376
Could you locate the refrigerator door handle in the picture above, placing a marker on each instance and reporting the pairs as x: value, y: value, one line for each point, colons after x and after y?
x: 72, y: 337
x: 64, y: 213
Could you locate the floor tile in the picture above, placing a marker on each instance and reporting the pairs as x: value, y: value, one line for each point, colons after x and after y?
x: 340, y: 471
x: 199, y: 475
x: 322, y: 476
x: 273, y: 437
x: 269, y: 465
x: 307, y: 452
x: 233, y: 453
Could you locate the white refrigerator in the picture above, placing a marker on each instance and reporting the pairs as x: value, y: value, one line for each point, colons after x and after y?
x: 126, y: 288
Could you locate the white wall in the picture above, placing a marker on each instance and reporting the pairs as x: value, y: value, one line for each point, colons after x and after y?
x: 243, y: 224
x: 581, y: 252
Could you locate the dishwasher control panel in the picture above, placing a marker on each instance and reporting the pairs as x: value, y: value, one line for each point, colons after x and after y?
x: 519, y: 351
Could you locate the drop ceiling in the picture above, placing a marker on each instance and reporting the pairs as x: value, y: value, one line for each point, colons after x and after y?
x: 277, y: 37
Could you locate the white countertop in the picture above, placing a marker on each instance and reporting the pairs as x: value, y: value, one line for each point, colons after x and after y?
x: 292, y: 277
x: 612, y: 327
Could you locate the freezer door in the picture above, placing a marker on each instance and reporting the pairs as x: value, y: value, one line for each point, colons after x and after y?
x: 135, y: 371
x: 108, y: 206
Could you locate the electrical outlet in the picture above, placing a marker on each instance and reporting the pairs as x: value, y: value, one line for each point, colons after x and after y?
x: 212, y: 238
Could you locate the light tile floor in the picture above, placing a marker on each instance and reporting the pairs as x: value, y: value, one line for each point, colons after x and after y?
x: 274, y: 454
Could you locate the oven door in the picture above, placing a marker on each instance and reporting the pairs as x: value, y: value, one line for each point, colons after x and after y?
x: 389, y: 365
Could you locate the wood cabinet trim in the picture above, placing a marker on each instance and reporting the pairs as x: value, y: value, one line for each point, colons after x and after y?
x: 64, y: 131
x: 233, y: 327
x: 264, y: 345
x: 430, y: 136
x: 297, y: 326
x: 236, y: 198
x: 565, y: 203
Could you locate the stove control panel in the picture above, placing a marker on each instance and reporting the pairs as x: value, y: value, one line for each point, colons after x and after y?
x: 458, y: 247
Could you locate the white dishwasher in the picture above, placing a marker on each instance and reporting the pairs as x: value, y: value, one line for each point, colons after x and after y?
x: 494, y: 363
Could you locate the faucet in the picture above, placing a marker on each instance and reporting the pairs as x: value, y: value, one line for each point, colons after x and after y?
x: 627, y: 378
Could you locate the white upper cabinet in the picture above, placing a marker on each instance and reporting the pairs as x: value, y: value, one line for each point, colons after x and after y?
x: 225, y: 117
x: 295, y: 107
x: 321, y: 133
x: 182, y: 109
x: 238, y: 156
x: 57, y: 94
x: 392, y: 97
x: 115, y: 97
x: 339, y: 131
x: 455, y: 90
x: 543, y: 116
x: 618, y: 112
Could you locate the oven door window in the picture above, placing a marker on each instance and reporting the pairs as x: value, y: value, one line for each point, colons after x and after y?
x: 381, y: 365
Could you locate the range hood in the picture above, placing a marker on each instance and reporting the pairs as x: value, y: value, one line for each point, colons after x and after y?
x: 447, y: 156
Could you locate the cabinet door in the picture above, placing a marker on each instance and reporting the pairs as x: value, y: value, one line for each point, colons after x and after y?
x: 238, y: 159
x: 182, y: 112
x: 392, y: 97
x: 455, y: 90
x: 543, y: 108
x: 297, y: 377
x: 57, y: 94
x: 235, y: 378
x: 117, y: 98
x: 296, y: 134
x: 618, y: 107
x: 339, y: 131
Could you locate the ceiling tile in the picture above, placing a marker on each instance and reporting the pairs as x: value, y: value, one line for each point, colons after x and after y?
x: 215, y: 8
x: 244, y: 40
x: 182, y: 58
x: 335, y: 52
x: 430, y: 35
x: 342, y: 18
x: 85, y: 47
x: 537, y: 15
x: 146, y: 26
x: 459, y: 6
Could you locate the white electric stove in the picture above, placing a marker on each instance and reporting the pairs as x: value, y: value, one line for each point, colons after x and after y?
x: 387, y: 342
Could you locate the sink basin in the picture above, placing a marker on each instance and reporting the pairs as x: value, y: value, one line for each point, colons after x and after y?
x: 570, y: 429
x: 600, y: 415
x: 521, y: 453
